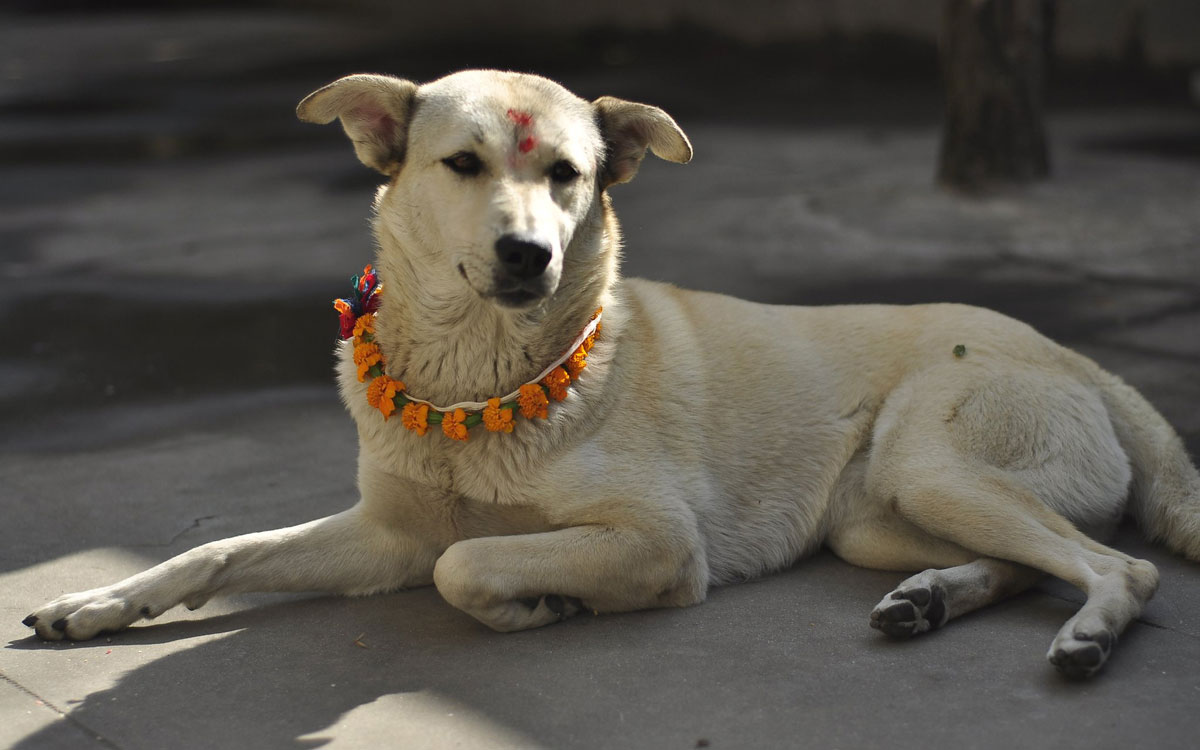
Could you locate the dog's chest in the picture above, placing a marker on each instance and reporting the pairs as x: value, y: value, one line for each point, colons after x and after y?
x: 487, y: 468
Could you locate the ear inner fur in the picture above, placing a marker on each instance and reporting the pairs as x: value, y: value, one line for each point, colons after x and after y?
x: 375, y: 111
x: 629, y: 129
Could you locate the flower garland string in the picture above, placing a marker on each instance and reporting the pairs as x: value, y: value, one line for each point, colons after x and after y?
x: 356, y: 322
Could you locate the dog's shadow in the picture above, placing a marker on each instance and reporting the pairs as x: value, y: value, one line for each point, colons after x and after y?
x: 278, y: 672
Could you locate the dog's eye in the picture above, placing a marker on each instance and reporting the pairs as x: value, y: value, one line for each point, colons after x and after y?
x: 464, y: 163
x: 563, y: 171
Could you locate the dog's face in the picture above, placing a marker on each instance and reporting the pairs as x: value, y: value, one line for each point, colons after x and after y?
x: 496, y: 176
x: 503, y: 171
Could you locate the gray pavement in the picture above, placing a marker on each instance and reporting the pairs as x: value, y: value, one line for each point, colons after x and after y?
x: 169, y: 243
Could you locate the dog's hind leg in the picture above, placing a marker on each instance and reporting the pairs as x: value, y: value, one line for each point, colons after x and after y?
x: 932, y: 598
x: 956, y: 581
x: 984, y: 511
x: 345, y: 553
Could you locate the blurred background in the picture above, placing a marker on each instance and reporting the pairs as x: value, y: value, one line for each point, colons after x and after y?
x: 162, y: 213
x: 171, y: 238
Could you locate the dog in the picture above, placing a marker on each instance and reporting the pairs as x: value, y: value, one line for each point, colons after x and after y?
x: 656, y: 442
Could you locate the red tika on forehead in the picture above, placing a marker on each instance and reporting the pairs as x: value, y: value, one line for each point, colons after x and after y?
x: 522, y: 119
x: 527, y: 145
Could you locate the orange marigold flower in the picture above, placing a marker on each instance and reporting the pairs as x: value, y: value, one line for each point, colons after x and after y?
x: 497, y: 419
x: 381, y: 394
x: 576, y: 362
x: 365, y: 366
x: 533, y: 401
x: 364, y: 325
x: 362, y: 351
x: 452, y: 425
x: 556, y: 382
x: 367, y: 356
x: 415, y: 417
x: 589, y: 342
x: 375, y: 390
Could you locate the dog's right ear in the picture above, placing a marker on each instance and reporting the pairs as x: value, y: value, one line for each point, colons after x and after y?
x: 374, y: 111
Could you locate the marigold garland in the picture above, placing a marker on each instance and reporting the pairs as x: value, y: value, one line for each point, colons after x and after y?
x: 356, y: 322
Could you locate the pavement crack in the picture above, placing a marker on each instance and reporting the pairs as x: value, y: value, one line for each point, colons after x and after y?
x: 1139, y: 619
x: 194, y: 525
x: 101, y: 739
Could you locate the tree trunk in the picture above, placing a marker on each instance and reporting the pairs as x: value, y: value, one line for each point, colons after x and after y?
x: 995, y: 55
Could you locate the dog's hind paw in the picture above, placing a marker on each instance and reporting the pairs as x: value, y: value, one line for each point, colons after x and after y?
x: 1081, y: 655
x: 910, y: 610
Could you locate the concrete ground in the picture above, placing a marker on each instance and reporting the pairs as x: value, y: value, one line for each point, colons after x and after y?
x: 169, y: 243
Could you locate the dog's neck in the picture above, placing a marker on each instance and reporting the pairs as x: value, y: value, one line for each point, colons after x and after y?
x: 447, y: 344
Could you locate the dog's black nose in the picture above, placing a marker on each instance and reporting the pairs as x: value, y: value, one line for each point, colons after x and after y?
x: 522, y: 259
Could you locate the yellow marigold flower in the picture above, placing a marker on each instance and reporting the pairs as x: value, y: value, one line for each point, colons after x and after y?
x: 533, y: 401
x: 452, y: 425
x: 588, y: 343
x: 365, y: 324
x: 497, y: 419
x: 576, y: 362
x: 415, y: 417
x: 556, y: 382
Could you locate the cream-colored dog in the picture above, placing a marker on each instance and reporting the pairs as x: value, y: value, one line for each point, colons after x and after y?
x: 708, y: 440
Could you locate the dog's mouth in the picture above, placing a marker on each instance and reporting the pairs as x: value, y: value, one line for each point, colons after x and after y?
x: 516, y: 299
x: 511, y: 293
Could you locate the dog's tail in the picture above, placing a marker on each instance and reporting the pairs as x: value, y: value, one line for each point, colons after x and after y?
x: 1166, y: 486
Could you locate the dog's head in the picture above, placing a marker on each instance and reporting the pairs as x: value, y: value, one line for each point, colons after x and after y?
x: 495, y: 177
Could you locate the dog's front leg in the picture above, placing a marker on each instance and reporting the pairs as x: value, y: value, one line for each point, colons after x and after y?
x: 526, y: 581
x: 346, y: 553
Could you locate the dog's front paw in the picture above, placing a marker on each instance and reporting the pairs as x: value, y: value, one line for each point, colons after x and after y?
x: 84, y: 615
x: 910, y: 610
x: 523, y: 614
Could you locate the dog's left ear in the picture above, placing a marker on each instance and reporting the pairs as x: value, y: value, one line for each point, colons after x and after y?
x: 374, y: 111
x: 629, y: 129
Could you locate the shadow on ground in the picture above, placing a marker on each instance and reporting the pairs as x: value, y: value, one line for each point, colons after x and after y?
x: 789, y: 656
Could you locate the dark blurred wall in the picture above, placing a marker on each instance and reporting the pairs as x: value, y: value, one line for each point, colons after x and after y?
x: 1155, y: 33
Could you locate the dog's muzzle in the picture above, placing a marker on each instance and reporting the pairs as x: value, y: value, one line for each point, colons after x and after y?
x: 523, y: 259
x: 523, y: 264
